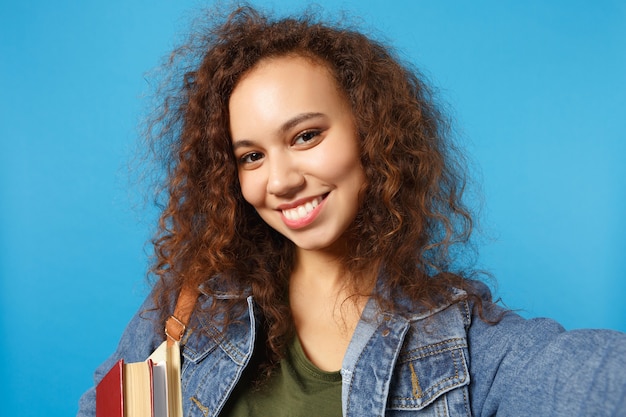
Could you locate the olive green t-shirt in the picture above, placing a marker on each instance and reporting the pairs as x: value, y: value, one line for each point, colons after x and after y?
x: 297, y: 388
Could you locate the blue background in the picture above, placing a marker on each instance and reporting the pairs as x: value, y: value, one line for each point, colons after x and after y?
x: 538, y: 90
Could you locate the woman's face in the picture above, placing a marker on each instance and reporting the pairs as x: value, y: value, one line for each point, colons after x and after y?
x: 295, y: 143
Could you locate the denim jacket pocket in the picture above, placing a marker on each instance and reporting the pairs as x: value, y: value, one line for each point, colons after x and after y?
x: 213, y: 359
x: 424, y: 374
x: 208, y: 379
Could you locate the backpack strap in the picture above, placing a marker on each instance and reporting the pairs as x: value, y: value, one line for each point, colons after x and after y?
x: 176, y: 324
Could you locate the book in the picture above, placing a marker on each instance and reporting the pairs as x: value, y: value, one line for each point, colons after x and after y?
x: 142, y: 389
x: 169, y: 357
x: 110, y: 392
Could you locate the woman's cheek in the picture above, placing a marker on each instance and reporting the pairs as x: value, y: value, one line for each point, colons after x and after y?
x: 251, y: 188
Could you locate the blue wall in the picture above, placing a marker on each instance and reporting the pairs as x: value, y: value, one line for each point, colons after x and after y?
x: 538, y: 90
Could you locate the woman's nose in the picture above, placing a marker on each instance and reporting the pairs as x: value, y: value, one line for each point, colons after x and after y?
x: 284, y: 177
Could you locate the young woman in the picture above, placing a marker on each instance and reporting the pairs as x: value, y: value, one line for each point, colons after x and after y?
x: 314, y: 202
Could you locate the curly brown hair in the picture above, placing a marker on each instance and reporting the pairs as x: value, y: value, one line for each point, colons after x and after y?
x: 412, y: 218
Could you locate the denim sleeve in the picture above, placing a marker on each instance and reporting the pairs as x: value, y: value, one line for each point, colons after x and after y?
x: 535, y: 368
x: 137, y: 343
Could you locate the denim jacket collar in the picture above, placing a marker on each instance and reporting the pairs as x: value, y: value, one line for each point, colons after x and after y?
x: 393, y: 362
x: 388, y: 352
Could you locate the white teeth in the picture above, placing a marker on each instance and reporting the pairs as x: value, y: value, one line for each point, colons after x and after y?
x: 302, y: 211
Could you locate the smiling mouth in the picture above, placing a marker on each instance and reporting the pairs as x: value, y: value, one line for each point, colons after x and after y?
x: 302, y: 211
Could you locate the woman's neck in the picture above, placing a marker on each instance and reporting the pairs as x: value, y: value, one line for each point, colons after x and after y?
x: 326, y: 303
x: 318, y: 269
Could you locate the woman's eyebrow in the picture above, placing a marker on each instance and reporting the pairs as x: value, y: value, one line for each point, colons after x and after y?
x: 289, y: 124
x: 294, y: 121
x: 243, y: 143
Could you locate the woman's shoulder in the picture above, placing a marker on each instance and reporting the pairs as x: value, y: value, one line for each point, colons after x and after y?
x: 537, y: 366
x: 501, y: 332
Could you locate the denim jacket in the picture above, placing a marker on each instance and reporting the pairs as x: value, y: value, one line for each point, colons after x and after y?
x: 443, y: 362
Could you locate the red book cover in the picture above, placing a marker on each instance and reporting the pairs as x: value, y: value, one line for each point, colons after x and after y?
x: 110, y: 392
x: 151, y: 380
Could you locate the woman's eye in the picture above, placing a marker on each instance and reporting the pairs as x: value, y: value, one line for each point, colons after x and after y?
x: 250, y: 157
x: 306, y: 137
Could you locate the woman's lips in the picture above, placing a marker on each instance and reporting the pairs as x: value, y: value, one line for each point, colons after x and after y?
x: 303, y: 214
